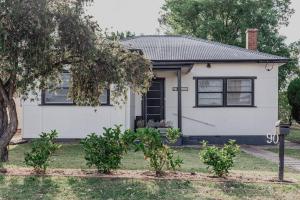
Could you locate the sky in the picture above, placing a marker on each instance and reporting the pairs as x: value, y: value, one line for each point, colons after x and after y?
x: 141, y: 17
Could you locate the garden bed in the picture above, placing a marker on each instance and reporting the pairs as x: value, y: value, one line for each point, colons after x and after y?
x: 143, y: 174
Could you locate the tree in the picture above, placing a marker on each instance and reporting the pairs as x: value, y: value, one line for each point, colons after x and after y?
x: 39, y: 39
x: 227, y: 20
x: 119, y: 35
x: 293, y: 94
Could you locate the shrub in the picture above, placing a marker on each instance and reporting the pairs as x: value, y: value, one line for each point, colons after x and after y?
x: 293, y: 94
x: 219, y: 159
x: 284, y: 107
x: 173, y: 134
x: 106, y: 152
x: 42, y: 149
x: 149, y: 141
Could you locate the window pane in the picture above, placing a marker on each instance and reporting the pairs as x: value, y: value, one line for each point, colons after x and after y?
x: 239, y: 85
x: 65, y: 80
x: 104, y: 97
x: 210, y: 99
x: 57, y: 96
x: 210, y: 85
x: 238, y: 99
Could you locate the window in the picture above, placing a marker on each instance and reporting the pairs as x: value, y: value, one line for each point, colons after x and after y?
x: 60, y: 95
x: 225, y: 91
x: 210, y: 92
x: 239, y: 92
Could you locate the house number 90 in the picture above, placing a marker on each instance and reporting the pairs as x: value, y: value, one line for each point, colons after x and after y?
x: 272, y: 138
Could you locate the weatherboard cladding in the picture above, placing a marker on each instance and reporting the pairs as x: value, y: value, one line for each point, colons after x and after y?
x: 162, y: 48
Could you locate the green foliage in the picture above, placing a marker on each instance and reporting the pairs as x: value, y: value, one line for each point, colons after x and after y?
x: 36, y: 43
x: 219, y: 159
x: 118, y: 35
x: 293, y: 94
x: 42, y: 149
x: 106, y: 152
x: 36, y: 46
x: 226, y: 21
x: 173, y: 134
x: 40, y: 39
x: 284, y: 107
x: 160, y: 156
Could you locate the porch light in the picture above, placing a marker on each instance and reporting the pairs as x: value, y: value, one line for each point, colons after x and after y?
x: 208, y: 65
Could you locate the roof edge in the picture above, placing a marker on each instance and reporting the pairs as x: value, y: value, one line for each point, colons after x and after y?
x: 189, y: 62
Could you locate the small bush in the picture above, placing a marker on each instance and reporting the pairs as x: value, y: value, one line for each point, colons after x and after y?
x: 173, y: 134
x: 149, y: 141
x: 293, y: 94
x: 106, y: 152
x: 284, y: 108
x: 42, y: 149
x: 221, y: 160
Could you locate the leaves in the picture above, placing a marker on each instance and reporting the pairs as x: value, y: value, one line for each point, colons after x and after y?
x: 39, y: 39
x: 159, y: 155
x: 219, y: 159
x: 105, y: 152
x: 42, y: 149
x: 226, y: 21
x: 293, y: 94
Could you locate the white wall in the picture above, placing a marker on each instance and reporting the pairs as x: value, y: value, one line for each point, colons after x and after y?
x: 258, y: 120
x: 71, y: 121
x: 77, y: 122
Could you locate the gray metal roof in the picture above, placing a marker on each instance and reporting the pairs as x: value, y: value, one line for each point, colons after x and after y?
x: 174, y: 48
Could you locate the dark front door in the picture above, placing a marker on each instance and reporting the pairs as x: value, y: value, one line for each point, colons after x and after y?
x: 153, y: 103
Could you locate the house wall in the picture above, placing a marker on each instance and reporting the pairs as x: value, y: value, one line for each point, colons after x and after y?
x: 258, y: 120
x: 71, y: 121
x: 224, y: 121
x: 77, y: 122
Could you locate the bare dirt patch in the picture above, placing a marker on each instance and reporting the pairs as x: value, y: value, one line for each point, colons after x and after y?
x: 142, y: 174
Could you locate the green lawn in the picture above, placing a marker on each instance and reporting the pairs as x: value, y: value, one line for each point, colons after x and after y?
x: 71, y: 156
x: 66, y: 188
x: 294, y: 136
x: 294, y: 153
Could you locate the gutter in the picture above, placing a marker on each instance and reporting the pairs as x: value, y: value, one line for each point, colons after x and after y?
x: 191, y: 62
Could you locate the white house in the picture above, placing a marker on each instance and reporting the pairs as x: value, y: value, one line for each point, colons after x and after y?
x: 209, y: 90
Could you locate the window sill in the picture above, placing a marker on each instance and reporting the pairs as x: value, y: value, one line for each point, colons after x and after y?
x: 65, y: 104
x: 224, y: 106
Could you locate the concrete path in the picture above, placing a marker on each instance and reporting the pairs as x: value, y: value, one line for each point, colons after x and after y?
x: 273, y: 157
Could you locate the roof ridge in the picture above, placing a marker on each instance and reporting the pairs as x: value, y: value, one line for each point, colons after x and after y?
x: 139, y: 36
x: 231, y: 46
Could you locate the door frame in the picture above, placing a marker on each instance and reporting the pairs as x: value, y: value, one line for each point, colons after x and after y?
x: 144, y: 101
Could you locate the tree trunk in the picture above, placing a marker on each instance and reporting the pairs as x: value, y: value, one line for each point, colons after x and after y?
x: 4, y: 154
x: 8, y: 126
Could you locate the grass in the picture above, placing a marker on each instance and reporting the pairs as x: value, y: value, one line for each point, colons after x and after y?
x: 294, y: 136
x: 294, y: 153
x: 71, y: 156
x: 64, y: 188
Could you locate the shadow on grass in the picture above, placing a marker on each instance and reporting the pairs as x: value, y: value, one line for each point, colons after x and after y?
x: 16, y: 154
x: 245, y: 190
x: 132, y: 189
x: 28, y: 188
